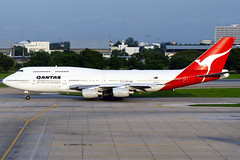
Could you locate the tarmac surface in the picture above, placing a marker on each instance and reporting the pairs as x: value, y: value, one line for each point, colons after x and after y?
x: 53, y: 127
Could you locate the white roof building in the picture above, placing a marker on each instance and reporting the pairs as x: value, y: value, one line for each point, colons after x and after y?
x: 36, y: 46
x: 207, y: 42
x: 149, y: 46
x: 128, y: 50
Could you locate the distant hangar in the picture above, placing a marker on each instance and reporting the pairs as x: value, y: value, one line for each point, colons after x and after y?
x: 101, y: 46
x: 7, y: 47
x: 173, y: 49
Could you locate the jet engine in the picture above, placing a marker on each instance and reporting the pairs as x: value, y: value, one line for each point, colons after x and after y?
x: 225, y: 75
x: 91, y: 93
x: 121, y: 92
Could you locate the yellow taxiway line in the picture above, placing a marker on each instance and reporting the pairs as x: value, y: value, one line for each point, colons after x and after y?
x: 25, y: 125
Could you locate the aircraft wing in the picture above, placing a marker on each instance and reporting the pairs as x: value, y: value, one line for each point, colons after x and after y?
x: 81, y: 87
x: 104, y: 87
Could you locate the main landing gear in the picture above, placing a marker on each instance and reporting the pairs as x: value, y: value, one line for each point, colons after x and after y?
x: 27, y: 97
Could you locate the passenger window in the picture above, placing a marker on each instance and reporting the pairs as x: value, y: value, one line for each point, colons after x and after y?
x: 20, y: 70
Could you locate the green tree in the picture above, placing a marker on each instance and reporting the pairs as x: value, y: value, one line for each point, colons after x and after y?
x: 6, y: 63
x: 17, y: 66
x: 233, y: 61
x: 134, y: 63
x: 93, y: 59
x: 119, y: 53
x: 60, y: 46
x: 117, y: 43
x: 57, y: 58
x: 163, y: 47
x: 40, y: 59
x: 19, y: 51
x: 155, y: 64
x: 131, y: 42
x: 70, y: 58
x: 182, y: 59
x: 116, y: 62
x: 155, y: 59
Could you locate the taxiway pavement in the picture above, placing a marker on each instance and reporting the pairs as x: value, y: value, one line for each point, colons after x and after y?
x: 132, y: 128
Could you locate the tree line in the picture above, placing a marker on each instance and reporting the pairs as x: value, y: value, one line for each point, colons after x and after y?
x: 149, y: 59
x: 153, y: 59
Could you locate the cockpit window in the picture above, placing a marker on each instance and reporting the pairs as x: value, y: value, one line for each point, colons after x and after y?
x: 20, y: 70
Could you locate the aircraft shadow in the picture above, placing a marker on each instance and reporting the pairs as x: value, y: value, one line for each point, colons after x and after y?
x: 232, y: 140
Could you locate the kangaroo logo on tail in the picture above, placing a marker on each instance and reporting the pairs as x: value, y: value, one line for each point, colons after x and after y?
x: 207, y: 62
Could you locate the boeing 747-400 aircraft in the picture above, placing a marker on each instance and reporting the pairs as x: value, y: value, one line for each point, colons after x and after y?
x: 94, y: 83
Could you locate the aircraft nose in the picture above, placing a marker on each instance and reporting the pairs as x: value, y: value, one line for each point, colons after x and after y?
x: 4, y: 81
x: 10, y: 81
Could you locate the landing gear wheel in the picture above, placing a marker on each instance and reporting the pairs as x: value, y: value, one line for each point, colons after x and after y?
x: 27, y: 97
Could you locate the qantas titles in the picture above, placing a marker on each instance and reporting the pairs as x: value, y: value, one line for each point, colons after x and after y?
x: 48, y: 77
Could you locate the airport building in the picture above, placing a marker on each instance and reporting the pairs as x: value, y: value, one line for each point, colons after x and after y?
x: 228, y: 31
x: 173, y: 49
x: 206, y: 42
x: 123, y: 47
x: 129, y: 50
x: 36, y: 46
x: 101, y: 46
x: 149, y: 46
x: 6, y: 47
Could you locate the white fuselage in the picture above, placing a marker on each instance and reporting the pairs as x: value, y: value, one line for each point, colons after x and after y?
x: 59, y: 79
x: 94, y: 83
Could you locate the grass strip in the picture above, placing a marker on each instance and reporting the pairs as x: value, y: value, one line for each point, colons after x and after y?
x: 206, y: 92
x: 2, y: 85
x: 234, y: 76
x: 72, y: 94
x: 4, y: 75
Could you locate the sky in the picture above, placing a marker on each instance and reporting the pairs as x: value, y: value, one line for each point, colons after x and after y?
x: 184, y: 21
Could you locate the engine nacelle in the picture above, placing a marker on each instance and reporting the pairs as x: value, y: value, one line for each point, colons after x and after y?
x: 225, y: 75
x: 91, y: 93
x: 121, y: 92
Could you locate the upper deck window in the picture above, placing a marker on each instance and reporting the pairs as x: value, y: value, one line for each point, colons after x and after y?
x: 61, y: 71
x: 41, y: 71
x: 20, y: 70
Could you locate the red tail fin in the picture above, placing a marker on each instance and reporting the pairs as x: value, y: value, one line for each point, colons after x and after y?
x: 214, y: 59
x: 210, y: 63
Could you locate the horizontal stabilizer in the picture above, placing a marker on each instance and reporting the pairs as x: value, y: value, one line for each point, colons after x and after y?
x: 213, y: 75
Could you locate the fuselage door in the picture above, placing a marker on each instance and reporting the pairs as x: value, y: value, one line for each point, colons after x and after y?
x: 185, y: 80
x: 64, y: 82
x: 33, y: 82
x: 52, y: 71
x: 64, y: 85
